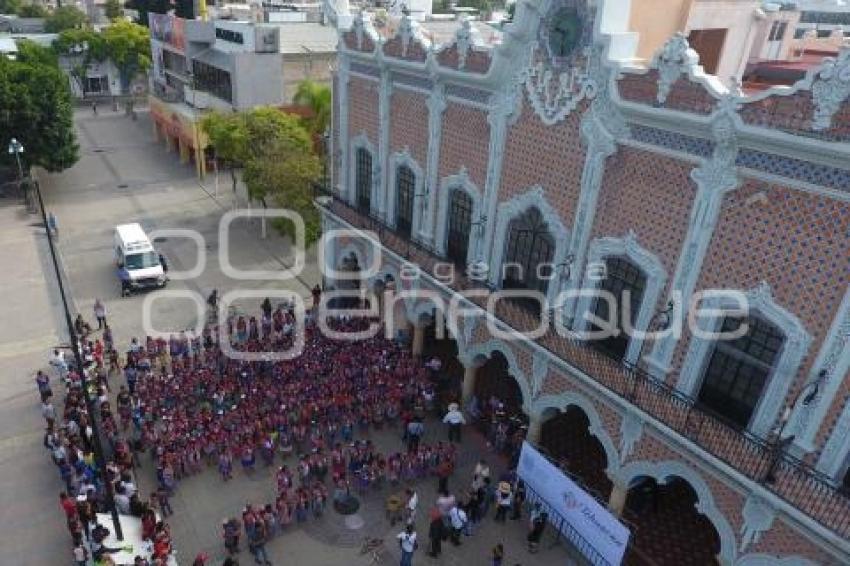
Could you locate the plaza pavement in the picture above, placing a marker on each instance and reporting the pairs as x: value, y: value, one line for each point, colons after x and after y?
x: 125, y: 176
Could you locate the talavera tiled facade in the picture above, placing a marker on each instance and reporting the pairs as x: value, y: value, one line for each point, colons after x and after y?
x: 697, y: 187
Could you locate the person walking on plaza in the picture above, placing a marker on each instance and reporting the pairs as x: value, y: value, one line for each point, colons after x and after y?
x: 458, y: 520
x: 230, y: 533
x: 454, y: 418
x: 436, y: 533
x: 410, y: 507
x: 408, y: 544
x: 504, y: 497
x: 497, y: 555
x: 257, y: 542
x: 536, y: 526
x: 100, y: 313
x: 519, y: 500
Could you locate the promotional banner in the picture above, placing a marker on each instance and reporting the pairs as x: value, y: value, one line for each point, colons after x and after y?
x: 168, y: 29
x: 586, y: 516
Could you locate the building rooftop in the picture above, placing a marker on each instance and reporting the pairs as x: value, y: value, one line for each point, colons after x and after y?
x: 303, y: 37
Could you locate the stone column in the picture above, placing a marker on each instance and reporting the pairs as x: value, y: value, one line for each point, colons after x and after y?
x: 436, y: 105
x: 617, y: 501
x: 535, y: 426
x: 418, y: 339
x: 468, y: 390
x: 384, y: 95
x: 342, y: 136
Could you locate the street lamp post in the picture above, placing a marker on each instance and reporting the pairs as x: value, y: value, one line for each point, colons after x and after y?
x: 16, y: 148
x: 780, y: 444
x: 100, y: 460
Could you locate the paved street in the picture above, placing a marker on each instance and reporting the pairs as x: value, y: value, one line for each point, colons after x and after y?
x: 124, y: 176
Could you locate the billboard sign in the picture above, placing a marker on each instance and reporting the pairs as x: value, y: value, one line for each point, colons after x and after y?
x: 592, y: 521
x: 168, y: 29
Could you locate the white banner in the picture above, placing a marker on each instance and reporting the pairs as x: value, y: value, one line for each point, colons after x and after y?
x: 586, y: 516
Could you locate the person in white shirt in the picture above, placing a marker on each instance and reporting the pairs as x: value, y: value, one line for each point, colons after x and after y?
x: 454, y: 418
x: 458, y: 519
x: 410, y: 508
x: 58, y: 362
x: 408, y: 544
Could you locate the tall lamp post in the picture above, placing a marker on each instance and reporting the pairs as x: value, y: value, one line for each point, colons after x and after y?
x: 99, y: 458
x: 16, y: 148
x: 780, y: 444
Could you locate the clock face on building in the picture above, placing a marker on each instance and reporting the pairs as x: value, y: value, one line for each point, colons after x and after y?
x: 564, y: 32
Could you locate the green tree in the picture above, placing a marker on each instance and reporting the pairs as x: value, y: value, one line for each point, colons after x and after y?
x: 65, y: 17
x: 35, y: 107
x: 32, y: 52
x: 129, y: 47
x: 10, y: 6
x: 228, y: 135
x: 316, y: 97
x: 113, y: 9
x: 33, y: 11
x: 283, y: 167
x: 275, y: 152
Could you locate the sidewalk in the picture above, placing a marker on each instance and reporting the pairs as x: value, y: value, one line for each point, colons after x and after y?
x: 33, y: 529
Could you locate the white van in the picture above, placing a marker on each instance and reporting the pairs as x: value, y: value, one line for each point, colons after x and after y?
x: 139, y: 265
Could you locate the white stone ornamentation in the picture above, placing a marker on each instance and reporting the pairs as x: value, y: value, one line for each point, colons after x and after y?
x: 758, y: 518
x: 675, y: 59
x: 555, y: 94
x: 464, y: 40
x: 830, y: 89
x: 631, y: 429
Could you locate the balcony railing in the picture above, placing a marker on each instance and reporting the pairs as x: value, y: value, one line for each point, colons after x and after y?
x: 794, y: 480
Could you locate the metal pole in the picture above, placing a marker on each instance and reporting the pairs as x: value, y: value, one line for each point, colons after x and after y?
x: 78, y: 360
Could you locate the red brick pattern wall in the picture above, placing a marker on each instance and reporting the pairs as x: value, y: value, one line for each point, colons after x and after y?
x: 350, y: 39
x: 464, y: 142
x: 394, y: 48
x: 639, y: 87
x: 650, y: 194
x: 550, y: 156
x: 557, y: 382
x: 476, y: 61
x: 409, y: 124
x: 782, y: 540
x: 797, y: 242
x: 363, y: 108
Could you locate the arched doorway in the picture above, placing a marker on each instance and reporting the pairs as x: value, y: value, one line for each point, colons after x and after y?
x: 567, y: 440
x: 350, y: 265
x: 668, y: 530
x: 440, y: 344
x: 495, y: 383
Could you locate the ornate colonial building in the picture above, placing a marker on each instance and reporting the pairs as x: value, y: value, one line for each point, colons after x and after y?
x: 551, y: 163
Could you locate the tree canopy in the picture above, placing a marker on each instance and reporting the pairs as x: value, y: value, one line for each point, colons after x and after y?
x: 113, y: 9
x: 33, y: 11
x: 276, y: 154
x: 10, y: 6
x: 35, y: 108
x: 316, y: 97
x: 64, y: 17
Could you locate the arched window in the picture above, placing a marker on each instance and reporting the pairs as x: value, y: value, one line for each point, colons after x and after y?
x: 528, y: 257
x: 621, y: 276
x: 363, y: 180
x: 405, y: 182
x: 737, y: 370
x: 459, y: 224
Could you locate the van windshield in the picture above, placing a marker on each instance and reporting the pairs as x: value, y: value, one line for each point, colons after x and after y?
x: 141, y: 261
